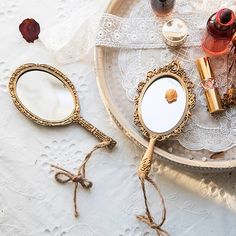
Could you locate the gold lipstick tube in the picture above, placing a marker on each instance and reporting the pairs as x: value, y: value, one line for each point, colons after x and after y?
x: 209, y: 85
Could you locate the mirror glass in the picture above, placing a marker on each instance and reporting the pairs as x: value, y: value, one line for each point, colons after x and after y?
x: 45, y: 96
x: 163, y: 104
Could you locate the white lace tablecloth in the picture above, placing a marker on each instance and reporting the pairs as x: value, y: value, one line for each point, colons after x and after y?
x: 33, y: 204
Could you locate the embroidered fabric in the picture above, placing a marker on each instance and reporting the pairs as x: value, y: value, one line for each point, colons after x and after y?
x: 141, y: 33
x: 134, y: 32
x: 142, y: 29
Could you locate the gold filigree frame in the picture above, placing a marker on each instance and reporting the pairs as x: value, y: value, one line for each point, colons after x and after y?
x: 74, y: 117
x: 53, y: 71
x: 174, y: 70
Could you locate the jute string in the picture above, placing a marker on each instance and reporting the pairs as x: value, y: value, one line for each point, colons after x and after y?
x: 147, y: 218
x: 64, y: 176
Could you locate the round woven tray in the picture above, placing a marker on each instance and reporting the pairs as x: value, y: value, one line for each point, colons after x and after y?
x: 224, y: 164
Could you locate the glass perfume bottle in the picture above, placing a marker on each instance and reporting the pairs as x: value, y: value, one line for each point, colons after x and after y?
x: 162, y: 7
x: 220, y: 30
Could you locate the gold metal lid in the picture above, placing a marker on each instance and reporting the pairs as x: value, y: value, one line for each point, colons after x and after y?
x: 175, y: 32
x: 204, y: 68
x: 214, y: 101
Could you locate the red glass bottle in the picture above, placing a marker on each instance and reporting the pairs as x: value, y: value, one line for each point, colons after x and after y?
x: 220, y: 30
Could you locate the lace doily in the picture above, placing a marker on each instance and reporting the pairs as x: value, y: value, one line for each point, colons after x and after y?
x: 139, y: 33
x: 204, y: 131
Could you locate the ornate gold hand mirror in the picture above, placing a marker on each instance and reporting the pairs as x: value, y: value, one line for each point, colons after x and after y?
x: 47, y: 97
x: 162, y: 108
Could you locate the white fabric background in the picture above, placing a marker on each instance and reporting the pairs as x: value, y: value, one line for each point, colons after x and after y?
x: 32, y: 203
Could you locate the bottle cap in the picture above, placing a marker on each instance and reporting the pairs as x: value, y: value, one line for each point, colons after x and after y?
x: 175, y: 32
x: 225, y: 18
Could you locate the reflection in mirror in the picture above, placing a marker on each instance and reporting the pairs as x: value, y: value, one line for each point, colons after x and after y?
x: 45, y: 96
x: 163, y: 105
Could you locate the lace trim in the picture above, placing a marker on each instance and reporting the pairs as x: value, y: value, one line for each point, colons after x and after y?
x: 139, y: 33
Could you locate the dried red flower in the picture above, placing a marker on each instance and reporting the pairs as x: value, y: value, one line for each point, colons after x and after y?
x: 30, y: 30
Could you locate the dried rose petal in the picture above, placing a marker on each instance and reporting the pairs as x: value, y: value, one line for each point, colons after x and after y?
x: 30, y: 30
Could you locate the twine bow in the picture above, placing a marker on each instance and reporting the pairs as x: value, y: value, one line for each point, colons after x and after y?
x: 64, y: 176
x: 147, y: 218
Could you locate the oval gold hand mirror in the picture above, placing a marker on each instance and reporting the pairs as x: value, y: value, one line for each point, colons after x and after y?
x: 47, y: 97
x: 162, y: 108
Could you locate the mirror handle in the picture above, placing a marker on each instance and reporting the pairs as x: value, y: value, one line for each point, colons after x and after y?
x: 96, y: 132
x: 145, y: 165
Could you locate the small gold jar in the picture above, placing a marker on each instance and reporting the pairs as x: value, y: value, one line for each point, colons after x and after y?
x: 175, y: 32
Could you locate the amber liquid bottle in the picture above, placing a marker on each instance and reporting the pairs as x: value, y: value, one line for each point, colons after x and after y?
x: 162, y: 7
x: 220, y: 30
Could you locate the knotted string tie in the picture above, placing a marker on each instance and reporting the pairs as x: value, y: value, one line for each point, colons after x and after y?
x: 64, y: 176
x: 147, y: 218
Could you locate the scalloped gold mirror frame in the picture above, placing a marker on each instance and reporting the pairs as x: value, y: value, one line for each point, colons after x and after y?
x: 157, y: 102
x: 173, y: 70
